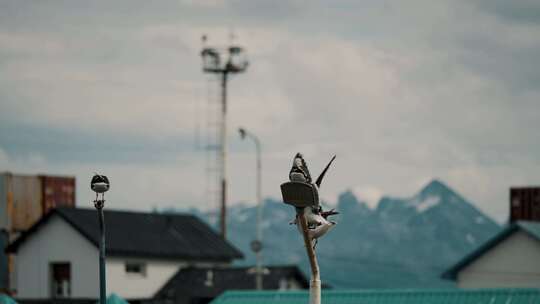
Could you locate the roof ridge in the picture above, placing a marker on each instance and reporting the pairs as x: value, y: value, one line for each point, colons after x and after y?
x: 127, y: 211
x: 144, y: 234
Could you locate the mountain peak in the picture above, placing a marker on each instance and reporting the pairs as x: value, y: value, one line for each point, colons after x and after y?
x: 348, y: 197
x: 347, y: 202
x: 436, y: 187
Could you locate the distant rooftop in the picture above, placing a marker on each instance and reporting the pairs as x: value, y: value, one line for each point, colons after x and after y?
x: 177, y: 236
x: 213, y: 281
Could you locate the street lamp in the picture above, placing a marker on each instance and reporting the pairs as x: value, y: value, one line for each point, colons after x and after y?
x: 310, y: 219
x: 235, y: 63
x: 256, y: 245
x: 100, y: 184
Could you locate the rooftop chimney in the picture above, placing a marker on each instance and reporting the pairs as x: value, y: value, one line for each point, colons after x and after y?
x: 525, y: 204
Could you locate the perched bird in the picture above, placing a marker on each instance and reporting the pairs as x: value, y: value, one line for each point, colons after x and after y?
x: 317, y: 219
x: 312, y: 215
x: 319, y: 231
x: 299, y: 171
x: 100, y: 183
x: 326, y: 214
x: 321, y: 176
x: 318, y: 225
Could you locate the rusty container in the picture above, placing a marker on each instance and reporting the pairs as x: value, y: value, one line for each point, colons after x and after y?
x: 58, y: 191
x: 524, y: 204
x: 21, y: 201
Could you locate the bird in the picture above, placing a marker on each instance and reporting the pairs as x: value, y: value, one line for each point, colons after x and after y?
x: 317, y: 232
x: 317, y: 219
x: 299, y: 171
x: 326, y: 214
x: 100, y: 183
x: 315, y: 216
x: 318, y: 224
x: 321, y: 176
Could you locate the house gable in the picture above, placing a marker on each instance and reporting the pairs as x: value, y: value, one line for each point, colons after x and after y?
x: 514, y: 262
x: 54, y: 243
x: 532, y: 229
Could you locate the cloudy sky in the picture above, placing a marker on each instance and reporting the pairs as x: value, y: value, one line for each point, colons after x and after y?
x: 403, y: 92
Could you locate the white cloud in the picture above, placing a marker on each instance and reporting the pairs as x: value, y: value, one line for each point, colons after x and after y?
x: 400, y: 92
x: 368, y: 194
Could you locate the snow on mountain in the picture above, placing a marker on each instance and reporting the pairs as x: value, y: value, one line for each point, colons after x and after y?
x: 425, y: 204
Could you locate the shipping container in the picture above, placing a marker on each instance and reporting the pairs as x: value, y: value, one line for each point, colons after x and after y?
x: 23, y: 202
x: 525, y: 204
x: 24, y: 199
x: 58, y: 191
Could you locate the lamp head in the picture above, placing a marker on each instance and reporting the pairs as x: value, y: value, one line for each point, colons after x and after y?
x: 100, y: 183
x: 242, y: 132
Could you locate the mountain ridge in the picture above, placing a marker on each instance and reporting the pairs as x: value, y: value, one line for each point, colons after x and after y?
x: 402, y: 243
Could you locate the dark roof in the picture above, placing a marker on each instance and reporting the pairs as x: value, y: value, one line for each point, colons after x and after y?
x: 410, y: 296
x: 531, y: 228
x: 191, y: 282
x: 174, y: 236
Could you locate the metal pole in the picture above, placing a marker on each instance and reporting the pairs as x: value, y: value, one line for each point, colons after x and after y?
x: 259, y: 275
x: 223, y: 155
x: 315, y: 283
x: 256, y: 245
x: 102, y: 283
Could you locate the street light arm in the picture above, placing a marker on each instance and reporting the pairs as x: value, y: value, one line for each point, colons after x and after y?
x: 245, y: 133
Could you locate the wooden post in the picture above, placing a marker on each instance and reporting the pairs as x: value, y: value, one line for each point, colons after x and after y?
x: 315, y: 282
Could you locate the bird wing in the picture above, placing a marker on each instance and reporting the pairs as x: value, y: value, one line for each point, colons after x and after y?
x: 326, y: 214
x: 321, y: 176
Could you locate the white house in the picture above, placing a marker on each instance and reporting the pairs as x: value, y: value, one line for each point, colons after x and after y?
x: 58, y: 256
x: 510, y: 259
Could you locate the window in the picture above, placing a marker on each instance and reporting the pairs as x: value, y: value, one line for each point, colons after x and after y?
x: 136, y: 268
x: 60, y: 280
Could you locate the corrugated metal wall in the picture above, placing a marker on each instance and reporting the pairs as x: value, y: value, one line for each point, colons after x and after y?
x: 24, y: 200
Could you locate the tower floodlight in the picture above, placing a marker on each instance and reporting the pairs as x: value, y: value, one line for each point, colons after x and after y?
x: 231, y: 60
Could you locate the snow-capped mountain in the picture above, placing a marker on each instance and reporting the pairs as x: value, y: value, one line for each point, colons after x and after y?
x: 402, y: 243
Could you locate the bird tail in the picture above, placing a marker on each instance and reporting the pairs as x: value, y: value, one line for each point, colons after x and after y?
x: 321, y: 176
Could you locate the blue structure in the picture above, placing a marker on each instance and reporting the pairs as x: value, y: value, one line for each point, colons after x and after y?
x: 6, y: 300
x: 425, y: 296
